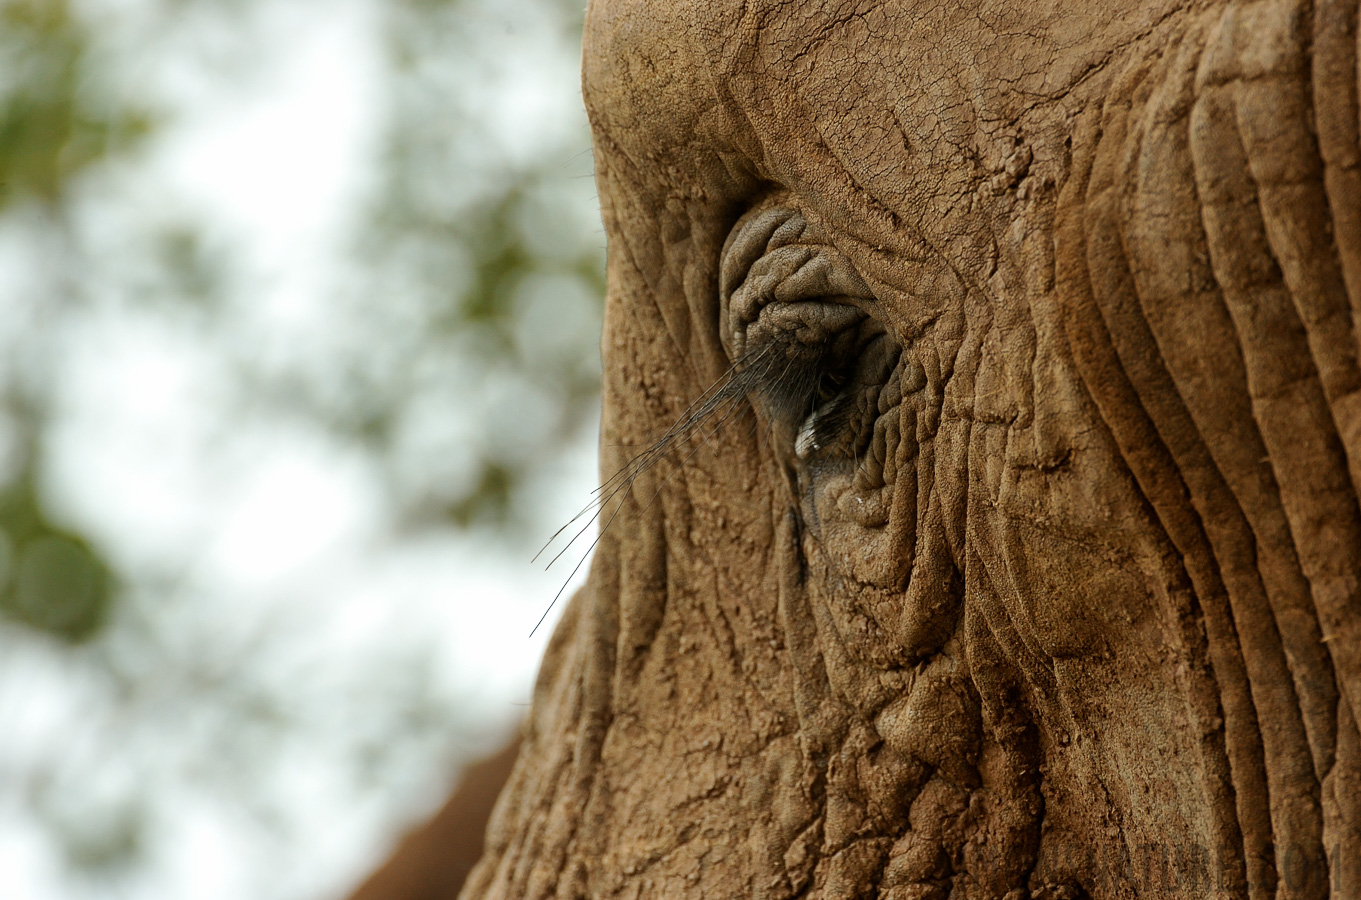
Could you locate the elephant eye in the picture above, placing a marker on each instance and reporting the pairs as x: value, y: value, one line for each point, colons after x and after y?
x: 830, y: 385
x: 819, y: 390
x: 798, y: 324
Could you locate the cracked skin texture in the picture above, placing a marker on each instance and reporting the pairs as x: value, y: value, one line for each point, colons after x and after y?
x: 1104, y: 639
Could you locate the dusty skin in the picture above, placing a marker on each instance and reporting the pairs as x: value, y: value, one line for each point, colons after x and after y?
x: 1018, y: 550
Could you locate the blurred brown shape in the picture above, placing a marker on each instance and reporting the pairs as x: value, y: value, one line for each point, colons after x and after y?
x: 432, y: 862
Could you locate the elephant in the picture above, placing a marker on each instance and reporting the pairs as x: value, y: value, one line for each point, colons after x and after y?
x: 982, y: 442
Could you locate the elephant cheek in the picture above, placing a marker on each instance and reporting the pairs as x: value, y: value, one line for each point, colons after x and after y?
x: 1068, y: 540
x: 877, y: 557
x: 864, y: 510
x: 1064, y: 579
x: 885, y: 537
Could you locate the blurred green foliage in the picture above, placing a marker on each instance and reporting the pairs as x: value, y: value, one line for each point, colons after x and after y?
x: 51, y: 578
x: 469, y: 332
x: 472, y: 240
x: 51, y: 128
x: 484, y: 322
x: 470, y: 248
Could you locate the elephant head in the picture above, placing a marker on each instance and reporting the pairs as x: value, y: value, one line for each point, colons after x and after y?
x: 983, y: 379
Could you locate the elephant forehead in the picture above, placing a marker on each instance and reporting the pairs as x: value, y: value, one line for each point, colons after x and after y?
x: 880, y: 115
x: 677, y: 83
x: 653, y: 88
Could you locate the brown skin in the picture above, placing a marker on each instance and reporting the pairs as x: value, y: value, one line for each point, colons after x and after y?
x: 1065, y: 598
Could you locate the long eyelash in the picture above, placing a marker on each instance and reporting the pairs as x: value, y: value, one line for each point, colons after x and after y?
x: 726, y: 388
x: 792, y: 396
x: 752, y: 372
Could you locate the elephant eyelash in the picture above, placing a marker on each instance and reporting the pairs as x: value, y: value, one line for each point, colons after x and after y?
x: 808, y: 393
x: 724, y: 399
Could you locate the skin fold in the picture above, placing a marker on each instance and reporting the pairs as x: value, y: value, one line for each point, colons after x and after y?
x: 1022, y: 555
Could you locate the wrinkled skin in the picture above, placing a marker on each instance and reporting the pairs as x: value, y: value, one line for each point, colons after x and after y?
x: 1030, y: 564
